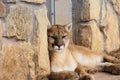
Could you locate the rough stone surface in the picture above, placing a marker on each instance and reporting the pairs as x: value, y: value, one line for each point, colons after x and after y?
x: 16, y: 62
x: 1, y: 25
x: 116, y: 5
x: 86, y: 10
x: 112, y: 42
x: 103, y: 13
x: 2, y: 9
x: 9, y: 1
x: 39, y: 42
x: 89, y: 35
x: 19, y: 22
x: 35, y: 1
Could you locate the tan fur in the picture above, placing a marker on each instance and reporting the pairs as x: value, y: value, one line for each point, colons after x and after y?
x: 65, y: 57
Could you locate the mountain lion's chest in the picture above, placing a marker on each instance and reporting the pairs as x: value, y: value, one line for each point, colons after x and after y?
x: 63, y: 62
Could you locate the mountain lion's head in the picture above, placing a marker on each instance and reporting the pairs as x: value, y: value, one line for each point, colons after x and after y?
x: 59, y: 37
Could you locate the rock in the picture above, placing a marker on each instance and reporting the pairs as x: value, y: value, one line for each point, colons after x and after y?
x: 39, y: 42
x: 19, y: 22
x: 112, y: 43
x: 17, y: 62
x: 9, y: 1
x: 1, y: 25
x: 116, y: 5
x: 89, y: 35
x: 35, y: 1
x: 86, y: 10
x: 2, y: 9
x: 103, y: 13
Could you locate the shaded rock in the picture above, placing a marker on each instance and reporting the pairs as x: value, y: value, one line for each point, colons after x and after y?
x: 9, y: 1
x: 2, y: 9
x: 19, y: 22
x: 40, y: 45
x: 89, y: 35
x: 84, y: 11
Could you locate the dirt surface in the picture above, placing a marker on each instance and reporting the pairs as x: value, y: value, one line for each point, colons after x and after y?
x: 106, y: 76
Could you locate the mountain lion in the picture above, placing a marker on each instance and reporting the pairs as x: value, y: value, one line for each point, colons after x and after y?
x: 72, y: 62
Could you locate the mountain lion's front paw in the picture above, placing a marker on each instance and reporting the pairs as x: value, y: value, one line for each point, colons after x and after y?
x: 87, y: 77
x: 92, y: 71
x: 113, y: 69
x: 72, y: 76
x: 65, y: 75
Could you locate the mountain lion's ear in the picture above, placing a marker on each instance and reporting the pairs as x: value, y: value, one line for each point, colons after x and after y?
x: 68, y: 27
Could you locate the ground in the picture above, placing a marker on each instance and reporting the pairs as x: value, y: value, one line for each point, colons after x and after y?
x: 106, y: 76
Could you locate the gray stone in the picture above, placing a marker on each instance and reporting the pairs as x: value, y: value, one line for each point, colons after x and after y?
x: 9, y: 1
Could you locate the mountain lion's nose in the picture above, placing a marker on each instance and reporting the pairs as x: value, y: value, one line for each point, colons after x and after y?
x: 59, y: 45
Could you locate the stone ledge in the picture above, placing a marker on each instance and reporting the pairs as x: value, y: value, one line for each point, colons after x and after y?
x: 35, y: 1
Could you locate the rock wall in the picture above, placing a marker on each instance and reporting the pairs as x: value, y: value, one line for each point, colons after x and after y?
x: 96, y: 24
x: 23, y: 40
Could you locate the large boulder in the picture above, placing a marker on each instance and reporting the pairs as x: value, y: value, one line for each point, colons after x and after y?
x: 112, y: 42
x: 89, y: 35
x: 19, y: 22
x: 40, y: 45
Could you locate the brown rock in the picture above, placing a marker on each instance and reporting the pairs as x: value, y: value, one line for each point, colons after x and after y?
x: 16, y: 63
x: 1, y: 25
x: 35, y: 1
x: 19, y: 22
x: 2, y: 9
x: 112, y: 42
x: 88, y: 34
x: 86, y: 10
x: 39, y: 42
x: 116, y: 5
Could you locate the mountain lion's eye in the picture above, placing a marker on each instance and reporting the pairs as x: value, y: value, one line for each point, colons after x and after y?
x: 53, y: 37
x: 63, y: 37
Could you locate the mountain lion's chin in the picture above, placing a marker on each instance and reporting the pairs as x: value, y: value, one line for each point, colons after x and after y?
x: 59, y: 51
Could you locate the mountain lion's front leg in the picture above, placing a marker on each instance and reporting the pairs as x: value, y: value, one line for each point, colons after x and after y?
x: 64, y: 75
x: 113, y: 69
x: 109, y: 67
x: 111, y: 59
x: 83, y: 74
